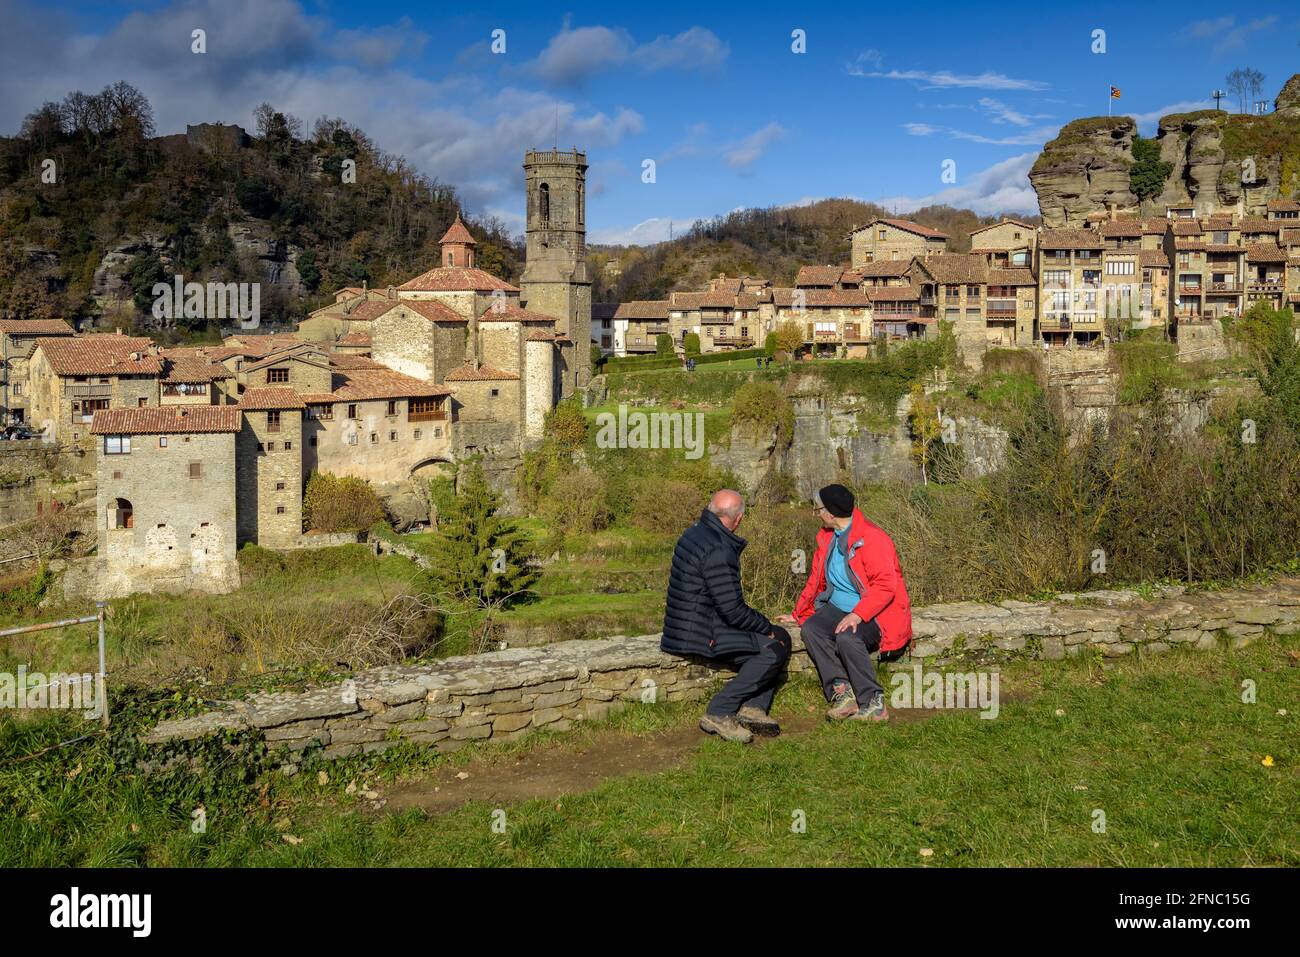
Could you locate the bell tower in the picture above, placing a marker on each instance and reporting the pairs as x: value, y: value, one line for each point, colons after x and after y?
x: 555, y: 281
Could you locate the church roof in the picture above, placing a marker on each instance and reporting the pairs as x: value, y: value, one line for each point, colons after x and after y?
x: 456, y: 279
x: 458, y: 234
x: 467, y: 373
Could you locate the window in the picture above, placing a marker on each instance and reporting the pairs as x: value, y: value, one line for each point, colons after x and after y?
x: 260, y: 447
x: 312, y: 441
x: 417, y: 435
x: 117, y: 445
x: 288, y: 446
x: 495, y: 393
x: 1221, y: 238
x: 392, y: 407
x: 352, y: 438
x: 162, y: 441
x: 1016, y: 235
x: 196, y: 470
x: 437, y: 431
x: 277, y: 375
x: 279, y: 510
x: 273, y: 421
x: 544, y: 202
x: 117, y: 475
x: 324, y: 412
x: 880, y: 234
x: 392, y: 436
x: 141, y: 402
x: 1120, y: 267
x: 352, y: 411
x: 120, y: 514
x: 270, y: 446
x: 18, y: 388
x: 279, y: 486
x: 374, y: 437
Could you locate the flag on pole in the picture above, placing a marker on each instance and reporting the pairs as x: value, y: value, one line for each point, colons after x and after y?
x: 1114, y: 93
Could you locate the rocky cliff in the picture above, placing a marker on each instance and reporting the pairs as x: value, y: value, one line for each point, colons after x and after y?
x: 1219, y: 161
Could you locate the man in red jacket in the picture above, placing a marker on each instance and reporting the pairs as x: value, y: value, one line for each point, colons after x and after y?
x: 855, y: 602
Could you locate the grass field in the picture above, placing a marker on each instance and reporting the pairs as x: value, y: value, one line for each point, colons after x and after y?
x: 1185, y: 773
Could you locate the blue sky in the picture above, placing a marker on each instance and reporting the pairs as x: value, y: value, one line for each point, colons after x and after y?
x: 714, y: 94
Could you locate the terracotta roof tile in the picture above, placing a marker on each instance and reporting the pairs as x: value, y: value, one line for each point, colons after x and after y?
x: 1188, y: 227
x: 955, y: 268
x: 456, y: 279
x: 356, y: 385
x: 1068, y: 238
x: 35, y: 327
x: 1257, y: 224
x: 1224, y: 248
x: 1012, y: 277
x: 102, y: 354
x: 467, y: 373
x: 1005, y: 221
x: 512, y: 312
x: 270, y: 398
x: 643, y: 309
x: 893, y: 293
x: 1283, y: 206
x: 166, y: 420
x: 1122, y: 227
x: 355, y: 339
x: 183, y: 368
x: 908, y: 226
x: 1153, y: 258
x: 819, y: 275
x: 885, y: 268
x: 1265, y: 253
x: 458, y: 234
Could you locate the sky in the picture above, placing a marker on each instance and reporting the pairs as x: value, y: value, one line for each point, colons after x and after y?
x: 736, y: 105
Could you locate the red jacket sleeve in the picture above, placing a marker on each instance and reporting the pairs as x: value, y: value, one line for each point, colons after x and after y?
x: 876, y: 565
x: 804, y: 606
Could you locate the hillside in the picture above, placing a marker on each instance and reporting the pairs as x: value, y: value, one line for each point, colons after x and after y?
x: 1209, y: 155
x: 772, y: 243
x: 127, y: 208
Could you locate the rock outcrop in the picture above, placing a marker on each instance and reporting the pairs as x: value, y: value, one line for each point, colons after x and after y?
x: 1218, y: 161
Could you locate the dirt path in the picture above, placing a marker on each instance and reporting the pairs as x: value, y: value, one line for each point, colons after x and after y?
x: 561, y: 768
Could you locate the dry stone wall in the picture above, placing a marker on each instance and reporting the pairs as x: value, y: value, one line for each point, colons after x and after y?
x: 504, y: 694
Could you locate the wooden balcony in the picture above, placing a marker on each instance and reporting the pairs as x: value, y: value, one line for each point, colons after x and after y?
x: 738, y: 341
x: 438, y: 415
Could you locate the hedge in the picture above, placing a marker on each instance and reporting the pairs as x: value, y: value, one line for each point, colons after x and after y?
x: 651, y: 363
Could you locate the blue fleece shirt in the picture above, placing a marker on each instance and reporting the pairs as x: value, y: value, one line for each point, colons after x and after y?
x: 844, y: 595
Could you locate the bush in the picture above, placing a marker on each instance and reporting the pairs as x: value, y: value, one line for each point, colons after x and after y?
x: 667, y: 507
x: 567, y: 426
x: 576, y: 502
x: 334, y: 503
x: 764, y: 406
x: 663, y: 345
x: 770, y: 572
x: 769, y: 345
x: 691, y: 343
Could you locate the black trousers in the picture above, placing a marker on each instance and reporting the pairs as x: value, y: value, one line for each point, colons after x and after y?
x: 759, y: 672
x: 845, y: 657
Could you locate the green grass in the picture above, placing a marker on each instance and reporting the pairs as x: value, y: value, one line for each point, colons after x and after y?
x: 1163, y: 746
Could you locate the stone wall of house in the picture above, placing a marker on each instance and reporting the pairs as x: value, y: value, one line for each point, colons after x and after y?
x: 269, y: 479
x: 343, y: 446
x: 501, y: 695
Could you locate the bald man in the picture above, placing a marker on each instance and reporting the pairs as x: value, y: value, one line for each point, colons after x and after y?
x: 706, y: 617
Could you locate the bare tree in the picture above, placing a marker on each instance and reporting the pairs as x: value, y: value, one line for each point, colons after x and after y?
x: 1246, y: 83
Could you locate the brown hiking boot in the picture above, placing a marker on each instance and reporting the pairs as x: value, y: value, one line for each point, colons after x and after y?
x: 875, y: 710
x: 843, y: 704
x: 759, y: 722
x: 726, y: 727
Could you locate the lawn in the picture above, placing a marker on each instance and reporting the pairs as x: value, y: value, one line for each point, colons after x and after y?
x: 1185, y: 773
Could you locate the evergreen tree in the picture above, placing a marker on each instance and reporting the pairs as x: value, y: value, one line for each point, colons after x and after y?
x: 481, y: 557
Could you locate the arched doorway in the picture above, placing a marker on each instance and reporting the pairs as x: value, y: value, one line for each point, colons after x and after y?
x: 121, y: 514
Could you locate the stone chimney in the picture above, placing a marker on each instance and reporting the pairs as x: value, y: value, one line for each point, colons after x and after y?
x: 391, y: 293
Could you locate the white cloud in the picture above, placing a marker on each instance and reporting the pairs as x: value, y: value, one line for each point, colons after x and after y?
x: 645, y: 233
x: 741, y: 155
x: 1224, y: 32
x: 1002, y: 187
x: 575, y: 55
x: 1002, y: 113
x: 922, y: 129
x: 945, y: 79
x: 1147, y: 121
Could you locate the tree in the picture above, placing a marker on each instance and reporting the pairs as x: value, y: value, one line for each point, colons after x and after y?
x: 691, y: 343
x: 926, y: 427
x: 769, y: 344
x: 567, y: 426
x: 789, y: 336
x: 663, y: 345
x: 597, y: 357
x: 141, y: 273
x: 1148, y: 173
x: 334, y: 503
x: 1246, y: 83
x: 481, y: 559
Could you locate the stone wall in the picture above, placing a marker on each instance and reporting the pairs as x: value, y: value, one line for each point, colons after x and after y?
x: 503, y: 694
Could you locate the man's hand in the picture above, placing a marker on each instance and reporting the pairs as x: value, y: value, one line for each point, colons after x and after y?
x: 848, y: 623
x: 785, y: 619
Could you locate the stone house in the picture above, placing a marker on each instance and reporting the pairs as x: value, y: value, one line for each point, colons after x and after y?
x: 73, y: 377
x: 895, y: 239
x: 17, y: 342
x: 1006, y: 244
x: 1069, y: 285
x: 268, y: 467
x: 165, y: 499
x: 833, y: 321
x: 646, y: 320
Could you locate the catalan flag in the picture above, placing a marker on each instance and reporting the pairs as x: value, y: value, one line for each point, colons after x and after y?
x: 1114, y: 93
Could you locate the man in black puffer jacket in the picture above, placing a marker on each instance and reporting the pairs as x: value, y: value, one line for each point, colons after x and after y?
x: 706, y: 617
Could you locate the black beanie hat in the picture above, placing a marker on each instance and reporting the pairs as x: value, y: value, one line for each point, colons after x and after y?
x: 837, y: 500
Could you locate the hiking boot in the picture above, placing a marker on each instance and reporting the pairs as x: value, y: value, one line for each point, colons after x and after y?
x: 875, y: 711
x: 726, y: 727
x: 843, y: 704
x: 759, y: 722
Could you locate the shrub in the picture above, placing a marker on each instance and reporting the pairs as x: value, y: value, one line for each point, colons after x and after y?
x: 667, y: 507
x: 691, y: 343
x: 334, y: 503
x: 567, y: 426
x: 763, y: 405
x: 663, y: 345
x: 576, y: 502
x: 769, y: 345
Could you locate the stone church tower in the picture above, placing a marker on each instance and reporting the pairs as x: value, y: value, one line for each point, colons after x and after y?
x: 555, y: 281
